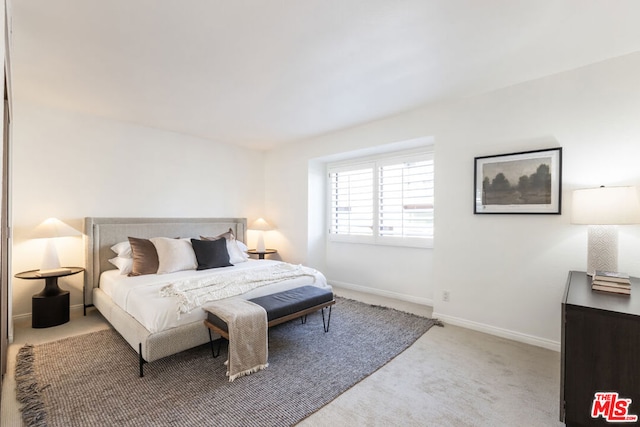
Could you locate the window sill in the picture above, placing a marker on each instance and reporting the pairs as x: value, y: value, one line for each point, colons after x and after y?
x: 388, y: 241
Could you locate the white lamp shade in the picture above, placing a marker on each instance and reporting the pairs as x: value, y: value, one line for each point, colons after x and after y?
x: 53, y: 227
x: 260, y: 225
x: 606, y: 206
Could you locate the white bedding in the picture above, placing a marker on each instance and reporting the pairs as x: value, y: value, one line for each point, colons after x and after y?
x: 140, y: 295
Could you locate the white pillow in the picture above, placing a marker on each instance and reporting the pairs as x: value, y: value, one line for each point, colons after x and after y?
x: 123, y: 249
x: 125, y: 265
x: 174, y: 255
x: 236, y: 255
x: 244, y: 248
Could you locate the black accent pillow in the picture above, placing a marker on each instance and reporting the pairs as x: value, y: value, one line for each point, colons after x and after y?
x: 211, y: 253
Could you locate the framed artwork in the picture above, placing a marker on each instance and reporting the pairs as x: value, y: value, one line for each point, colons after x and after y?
x: 529, y: 182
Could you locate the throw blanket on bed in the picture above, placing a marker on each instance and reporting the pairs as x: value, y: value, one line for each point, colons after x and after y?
x: 192, y: 293
x: 248, y: 341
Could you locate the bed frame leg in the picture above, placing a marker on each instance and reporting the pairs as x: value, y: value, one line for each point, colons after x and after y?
x: 84, y: 310
x: 141, y: 361
x: 326, y: 325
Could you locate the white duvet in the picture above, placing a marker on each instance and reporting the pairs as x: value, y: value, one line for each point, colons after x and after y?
x: 140, y: 295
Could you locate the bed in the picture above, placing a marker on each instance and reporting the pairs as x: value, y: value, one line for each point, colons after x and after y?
x: 128, y: 303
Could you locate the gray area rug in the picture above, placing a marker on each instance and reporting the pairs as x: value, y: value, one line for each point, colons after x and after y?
x: 92, y: 380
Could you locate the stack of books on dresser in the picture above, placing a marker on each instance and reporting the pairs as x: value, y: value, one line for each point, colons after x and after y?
x: 609, y: 281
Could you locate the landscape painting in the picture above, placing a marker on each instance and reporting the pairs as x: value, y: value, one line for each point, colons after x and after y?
x: 526, y: 182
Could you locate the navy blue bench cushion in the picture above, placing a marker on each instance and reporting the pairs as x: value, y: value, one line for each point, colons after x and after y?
x: 284, y: 303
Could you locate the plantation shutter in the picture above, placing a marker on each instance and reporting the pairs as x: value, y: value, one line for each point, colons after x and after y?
x: 405, y: 197
x: 352, y: 206
x: 385, y: 199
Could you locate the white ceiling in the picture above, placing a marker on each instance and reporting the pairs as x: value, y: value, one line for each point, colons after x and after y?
x: 262, y: 73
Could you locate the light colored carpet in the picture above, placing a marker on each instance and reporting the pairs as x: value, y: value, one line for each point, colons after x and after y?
x: 91, y: 379
x: 454, y: 377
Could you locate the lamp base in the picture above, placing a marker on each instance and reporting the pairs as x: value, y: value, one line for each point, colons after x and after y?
x: 50, y: 260
x: 603, y: 248
x: 260, y: 244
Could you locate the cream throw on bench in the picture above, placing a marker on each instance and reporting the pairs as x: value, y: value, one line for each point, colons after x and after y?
x: 248, y: 339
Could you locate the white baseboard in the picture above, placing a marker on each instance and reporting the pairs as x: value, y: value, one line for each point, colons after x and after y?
x: 500, y: 332
x: 480, y: 327
x: 382, y: 293
x: 28, y: 315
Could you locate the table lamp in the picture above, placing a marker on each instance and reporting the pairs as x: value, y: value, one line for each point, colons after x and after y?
x: 51, y: 229
x: 603, y: 209
x: 261, y: 226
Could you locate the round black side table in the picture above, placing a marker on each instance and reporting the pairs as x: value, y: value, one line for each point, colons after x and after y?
x: 50, y: 307
x: 261, y: 254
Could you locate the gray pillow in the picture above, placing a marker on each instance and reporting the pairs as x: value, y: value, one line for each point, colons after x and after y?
x: 227, y: 235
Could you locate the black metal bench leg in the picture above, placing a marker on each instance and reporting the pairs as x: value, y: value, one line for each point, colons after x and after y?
x: 303, y: 319
x: 326, y: 325
x: 213, y: 352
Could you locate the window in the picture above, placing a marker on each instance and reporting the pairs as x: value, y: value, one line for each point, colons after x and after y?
x: 387, y: 200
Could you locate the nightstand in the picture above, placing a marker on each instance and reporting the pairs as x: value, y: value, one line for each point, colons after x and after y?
x: 51, y: 306
x: 600, y: 344
x: 261, y: 254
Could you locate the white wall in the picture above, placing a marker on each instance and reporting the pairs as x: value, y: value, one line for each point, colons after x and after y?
x: 70, y: 166
x: 505, y: 274
x: 508, y: 273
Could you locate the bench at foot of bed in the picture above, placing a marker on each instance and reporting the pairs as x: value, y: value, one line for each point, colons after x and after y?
x: 281, y: 307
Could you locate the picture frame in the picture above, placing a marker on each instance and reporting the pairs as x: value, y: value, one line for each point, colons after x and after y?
x: 528, y: 182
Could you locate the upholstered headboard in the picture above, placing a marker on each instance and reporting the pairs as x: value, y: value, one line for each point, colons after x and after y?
x: 102, y: 233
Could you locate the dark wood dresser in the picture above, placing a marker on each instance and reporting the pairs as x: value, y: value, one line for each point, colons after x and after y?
x: 600, y: 349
